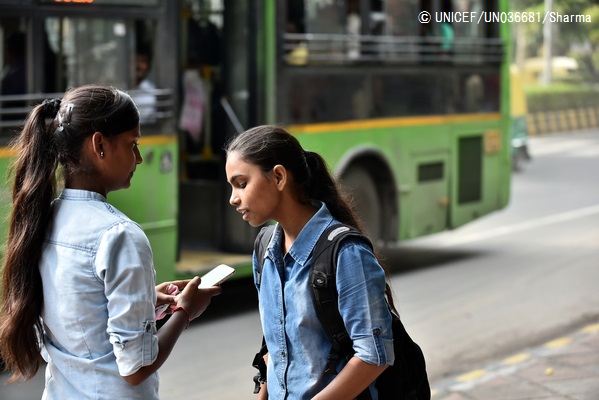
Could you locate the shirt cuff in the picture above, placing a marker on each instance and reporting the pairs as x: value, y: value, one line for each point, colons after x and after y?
x: 375, y: 349
x: 132, y: 354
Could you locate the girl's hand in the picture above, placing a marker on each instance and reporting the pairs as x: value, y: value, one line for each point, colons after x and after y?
x: 166, y: 292
x: 195, y: 300
x: 166, y: 298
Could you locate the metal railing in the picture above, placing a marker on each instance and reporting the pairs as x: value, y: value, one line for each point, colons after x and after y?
x: 302, y: 49
x: 158, y: 103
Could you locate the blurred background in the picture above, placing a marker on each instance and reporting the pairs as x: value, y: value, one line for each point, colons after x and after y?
x: 465, y: 131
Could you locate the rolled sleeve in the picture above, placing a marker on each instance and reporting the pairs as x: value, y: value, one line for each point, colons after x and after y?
x: 362, y: 304
x: 124, y: 263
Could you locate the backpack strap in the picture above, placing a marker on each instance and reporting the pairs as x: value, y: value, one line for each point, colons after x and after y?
x: 325, y: 297
x: 260, y: 244
x: 260, y: 365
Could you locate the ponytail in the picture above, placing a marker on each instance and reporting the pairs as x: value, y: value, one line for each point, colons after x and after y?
x: 322, y: 186
x: 22, y: 294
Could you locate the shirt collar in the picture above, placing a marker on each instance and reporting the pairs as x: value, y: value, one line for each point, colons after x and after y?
x: 78, y: 194
x: 306, y: 240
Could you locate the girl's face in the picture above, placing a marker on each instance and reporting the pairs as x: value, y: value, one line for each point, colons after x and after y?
x: 122, y: 156
x: 254, y: 194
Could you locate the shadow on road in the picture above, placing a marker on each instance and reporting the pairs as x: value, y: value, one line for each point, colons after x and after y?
x: 239, y: 295
x: 409, y: 258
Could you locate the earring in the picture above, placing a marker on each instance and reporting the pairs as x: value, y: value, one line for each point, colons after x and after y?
x: 102, y: 154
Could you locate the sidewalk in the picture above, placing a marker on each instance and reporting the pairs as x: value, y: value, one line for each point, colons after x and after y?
x: 564, y: 368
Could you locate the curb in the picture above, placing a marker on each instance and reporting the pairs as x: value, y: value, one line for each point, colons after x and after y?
x: 544, y: 122
x: 451, y: 388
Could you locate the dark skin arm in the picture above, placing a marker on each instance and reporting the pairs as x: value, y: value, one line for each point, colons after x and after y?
x: 195, y: 301
x: 351, y: 381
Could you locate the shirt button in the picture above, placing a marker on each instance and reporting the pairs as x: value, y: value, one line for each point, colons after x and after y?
x: 377, y: 331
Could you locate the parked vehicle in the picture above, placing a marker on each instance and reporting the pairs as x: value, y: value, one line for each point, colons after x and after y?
x: 518, y: 111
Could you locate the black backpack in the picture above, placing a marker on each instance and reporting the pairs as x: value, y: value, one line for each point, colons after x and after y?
x: 406, y: 379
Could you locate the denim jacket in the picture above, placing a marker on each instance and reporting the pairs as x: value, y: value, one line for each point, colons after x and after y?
x: 99, y: 298
x: 298, y: 346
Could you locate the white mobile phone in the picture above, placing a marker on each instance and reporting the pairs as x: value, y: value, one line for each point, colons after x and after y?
x: 216, y: 276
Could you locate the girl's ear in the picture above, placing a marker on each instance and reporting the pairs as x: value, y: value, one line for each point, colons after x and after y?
x: 98, y: 142
x: 280, y: 175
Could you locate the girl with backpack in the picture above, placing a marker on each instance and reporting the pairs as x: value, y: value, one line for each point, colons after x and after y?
x: 274, y: 178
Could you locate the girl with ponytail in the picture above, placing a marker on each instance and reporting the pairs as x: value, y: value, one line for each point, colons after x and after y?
x: 78, y: 281
x: 274, y: 178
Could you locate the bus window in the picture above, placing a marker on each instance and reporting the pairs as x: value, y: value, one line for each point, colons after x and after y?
x: 144, y: 81
x: 109, y: 51
x: 330, y: 30
x: 402, y: 17
x: 201, y: 118
x: 13, y: 70
x: 468, y: 30
x: 95, y: 50
x: 327, y: 16
x: 481, y: 92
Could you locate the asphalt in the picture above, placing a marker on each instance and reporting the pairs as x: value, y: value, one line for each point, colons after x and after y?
x: 564, y: 368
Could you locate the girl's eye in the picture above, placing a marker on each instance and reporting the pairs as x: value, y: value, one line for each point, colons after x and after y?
x: 242, y: 185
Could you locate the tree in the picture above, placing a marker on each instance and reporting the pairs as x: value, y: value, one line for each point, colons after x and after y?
x: 577, y: 39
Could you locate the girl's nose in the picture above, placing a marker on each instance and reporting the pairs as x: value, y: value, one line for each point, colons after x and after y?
x: 138, y: 158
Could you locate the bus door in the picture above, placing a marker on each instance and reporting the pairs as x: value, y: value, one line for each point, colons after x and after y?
x: 217, y: 100
x: 481, y: 168
x: 432, y: 186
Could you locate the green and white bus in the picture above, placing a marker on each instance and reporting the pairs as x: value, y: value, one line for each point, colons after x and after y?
x: 412, y: 117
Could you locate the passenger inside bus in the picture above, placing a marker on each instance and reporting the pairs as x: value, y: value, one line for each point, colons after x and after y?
x: 145, y: 98
x: 354, y: 28
x: 14, y: 74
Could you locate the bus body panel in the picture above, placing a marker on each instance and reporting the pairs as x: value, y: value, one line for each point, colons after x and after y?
x: 152, y: 200
x: 423, y: 153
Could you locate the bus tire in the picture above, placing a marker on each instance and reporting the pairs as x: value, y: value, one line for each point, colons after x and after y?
x: 363, y: 192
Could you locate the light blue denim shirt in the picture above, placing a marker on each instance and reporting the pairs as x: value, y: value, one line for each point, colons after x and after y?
x: 298, y: 346
x: 99, y: 298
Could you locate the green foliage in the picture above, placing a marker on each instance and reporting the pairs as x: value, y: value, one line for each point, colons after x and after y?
x: 593, y: 29
x: 578, y: 40
x: 560, y: 97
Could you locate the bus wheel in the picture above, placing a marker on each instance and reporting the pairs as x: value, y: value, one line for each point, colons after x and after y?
x: 363, y: 192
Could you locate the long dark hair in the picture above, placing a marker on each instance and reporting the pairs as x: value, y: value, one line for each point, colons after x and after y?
x: 41, y: 147
x: 270, y: 145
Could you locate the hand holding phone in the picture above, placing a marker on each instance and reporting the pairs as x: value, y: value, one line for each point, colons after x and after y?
x: 160, y: 311
x: 216, y: 276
